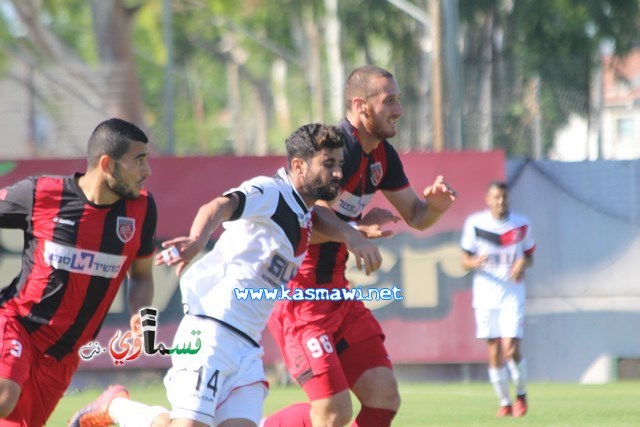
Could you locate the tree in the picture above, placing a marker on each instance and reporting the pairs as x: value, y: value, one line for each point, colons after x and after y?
x: 117, y: 92
x: 556, y: 41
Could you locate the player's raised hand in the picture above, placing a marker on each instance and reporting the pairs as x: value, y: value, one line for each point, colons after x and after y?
x: 366, y: 253
x: 179, y: 252
x: 371, y: 224
x: 439, y: 195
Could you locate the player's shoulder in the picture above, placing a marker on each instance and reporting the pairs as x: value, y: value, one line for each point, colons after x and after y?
x: 519, y: 219
x: 268, y: 188
x: 479, y: 216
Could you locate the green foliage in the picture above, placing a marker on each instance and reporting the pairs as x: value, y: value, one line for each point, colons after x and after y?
x: 71, y: 21
x: 559, y: 41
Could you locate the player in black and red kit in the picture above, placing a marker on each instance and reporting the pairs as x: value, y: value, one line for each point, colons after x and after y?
x: 82, y: 235
x: 333, y: 346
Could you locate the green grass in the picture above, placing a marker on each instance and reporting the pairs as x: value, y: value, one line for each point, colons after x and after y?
x: 436, y: 404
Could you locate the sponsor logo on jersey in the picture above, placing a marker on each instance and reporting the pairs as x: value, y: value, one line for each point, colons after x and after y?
x: 376, y: 173
x: 351, y: 205
x: 82, y: 261
x: 63, y: 221
x: 125, y: 228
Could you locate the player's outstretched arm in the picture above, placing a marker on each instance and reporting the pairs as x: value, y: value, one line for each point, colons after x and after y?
x: 366, y: 253
x: 423, y: 213
x: 181, y: 250
x: 139, y: 290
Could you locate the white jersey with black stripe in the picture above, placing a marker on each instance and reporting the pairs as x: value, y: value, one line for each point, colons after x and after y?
x: 503, y: 241
x: 259, y: 250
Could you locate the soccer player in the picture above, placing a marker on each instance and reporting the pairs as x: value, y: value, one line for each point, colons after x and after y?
x: 498, y: 246
x: 267, y: 225
x: 330, y: 347
x: 83, y: 234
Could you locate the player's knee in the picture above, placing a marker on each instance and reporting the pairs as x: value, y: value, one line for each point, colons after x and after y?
x: 331, y: 418
x: 332, y: 412
x: 378, y: 388
x: 9, y: 395
x: 162, y: 420
x: 388, y: 398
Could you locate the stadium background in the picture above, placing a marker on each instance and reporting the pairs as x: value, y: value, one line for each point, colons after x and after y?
x: 583, y: 299
x: 495, y: 113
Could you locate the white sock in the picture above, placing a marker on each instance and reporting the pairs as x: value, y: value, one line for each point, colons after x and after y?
x: 518, y: 373
x: 129, y: 413
x: 500, y: 380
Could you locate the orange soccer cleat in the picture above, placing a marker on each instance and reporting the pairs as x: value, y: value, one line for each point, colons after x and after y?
x: 96, y: 413
x: 520, y: 406
x: 504, y: 411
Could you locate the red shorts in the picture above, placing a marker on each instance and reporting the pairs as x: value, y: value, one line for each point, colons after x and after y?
x: 327, y: 345
x: 42, y: 378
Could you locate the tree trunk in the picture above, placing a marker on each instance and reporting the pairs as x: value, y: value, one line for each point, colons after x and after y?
x: 279, y: 74
x: 112, y: 25
x: 313, y: 64
x: 486, y: 89
x: 334, y: 60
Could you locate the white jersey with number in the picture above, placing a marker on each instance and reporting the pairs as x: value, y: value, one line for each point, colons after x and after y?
x: 260, y: 249
x: 503, y: 241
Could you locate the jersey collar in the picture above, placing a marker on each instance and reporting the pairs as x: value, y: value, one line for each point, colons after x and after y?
x: 282, y: 174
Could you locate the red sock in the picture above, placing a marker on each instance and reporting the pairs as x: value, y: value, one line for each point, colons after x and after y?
x: 373, y: 417
x: 297, y: 415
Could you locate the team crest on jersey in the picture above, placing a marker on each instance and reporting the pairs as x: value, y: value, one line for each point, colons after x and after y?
x: 125, y: 228
x: 376, y: 173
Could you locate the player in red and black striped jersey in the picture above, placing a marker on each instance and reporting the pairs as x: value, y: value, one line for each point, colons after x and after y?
x: 352, y: 355
x: 82, y: 235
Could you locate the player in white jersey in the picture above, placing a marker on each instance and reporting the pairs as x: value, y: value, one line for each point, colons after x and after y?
x: 498, y: 246
x: 267, y: 225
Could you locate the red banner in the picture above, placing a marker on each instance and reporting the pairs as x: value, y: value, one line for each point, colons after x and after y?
x: 432, y: 324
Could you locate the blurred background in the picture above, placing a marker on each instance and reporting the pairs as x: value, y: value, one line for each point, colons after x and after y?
x: 541, y: 93
x: 539, y: 79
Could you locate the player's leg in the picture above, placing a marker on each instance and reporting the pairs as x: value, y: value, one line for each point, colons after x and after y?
x: 195, y: 382
x: 487, y: 328
x: 16, y: 358
x: 367, y: 366
x: 311, y: 358
x: 9, y: 394
x: 114, y: 406
x: 328, y: 393
x: 512, y: 327
x: 243, y: 407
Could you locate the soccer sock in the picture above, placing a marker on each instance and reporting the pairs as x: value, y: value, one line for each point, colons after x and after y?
x: 373, y: 417
x: 129, y: 413
x: 518, y: 373
x: 500, y: 380
x: 297, y: 414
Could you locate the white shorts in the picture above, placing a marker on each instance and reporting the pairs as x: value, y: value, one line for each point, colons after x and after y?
x: 500, y: 323
x: 224, y: 379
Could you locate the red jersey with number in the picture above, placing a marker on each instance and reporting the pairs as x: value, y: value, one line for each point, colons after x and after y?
x: 76, y: 255
x: 363, y: 175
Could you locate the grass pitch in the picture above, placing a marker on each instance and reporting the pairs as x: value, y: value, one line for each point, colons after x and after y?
x: 450, y: 404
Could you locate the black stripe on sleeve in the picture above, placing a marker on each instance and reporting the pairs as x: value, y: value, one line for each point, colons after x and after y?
x: 242, y: 200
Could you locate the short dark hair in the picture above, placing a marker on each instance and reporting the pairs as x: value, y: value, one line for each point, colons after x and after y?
x: 307, y: 140
x: 358, y: 84
x: 112, y: 137
x: 500, y: 185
